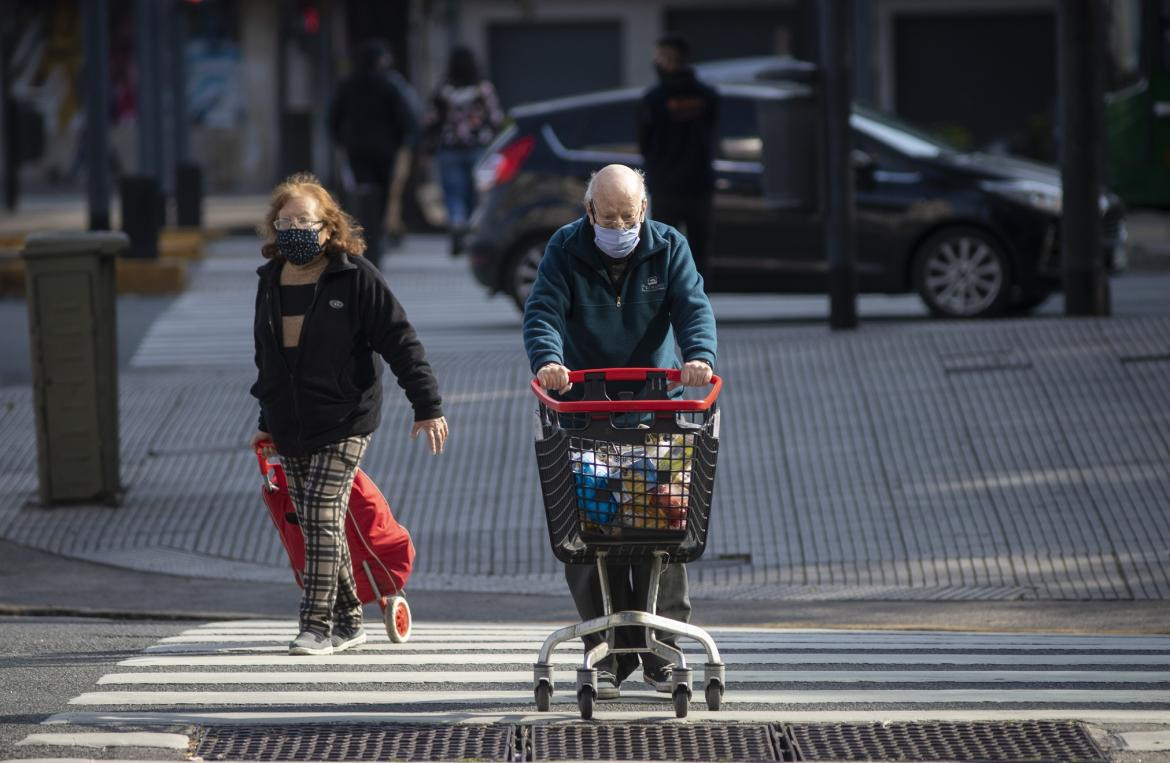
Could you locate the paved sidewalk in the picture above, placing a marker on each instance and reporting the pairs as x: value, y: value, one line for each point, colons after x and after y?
x: 913, y: 460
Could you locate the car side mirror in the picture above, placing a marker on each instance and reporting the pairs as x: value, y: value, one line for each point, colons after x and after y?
x: 863, y: 167
x: 863, y: 163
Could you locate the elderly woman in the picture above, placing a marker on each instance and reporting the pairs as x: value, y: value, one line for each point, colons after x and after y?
x: 323, y: 314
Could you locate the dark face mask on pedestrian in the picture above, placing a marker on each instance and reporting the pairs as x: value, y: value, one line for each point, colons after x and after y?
x: 298, y: 245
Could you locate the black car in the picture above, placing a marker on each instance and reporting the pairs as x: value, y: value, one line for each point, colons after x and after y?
x: 973, y: 234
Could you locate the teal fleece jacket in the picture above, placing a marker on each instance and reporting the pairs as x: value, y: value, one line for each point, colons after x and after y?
x: 575, y: 317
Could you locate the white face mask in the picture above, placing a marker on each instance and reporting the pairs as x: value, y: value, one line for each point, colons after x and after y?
x: 616, y: 243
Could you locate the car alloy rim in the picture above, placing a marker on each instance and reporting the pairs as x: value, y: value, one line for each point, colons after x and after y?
x: 963, y: 276
x: 526, y: 271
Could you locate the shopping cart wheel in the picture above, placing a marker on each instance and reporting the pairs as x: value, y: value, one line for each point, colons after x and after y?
x: 714, y: 694
x: 585, y: 699
x: 397, y: 618
x: 682, y: 700
x: 543, y: 696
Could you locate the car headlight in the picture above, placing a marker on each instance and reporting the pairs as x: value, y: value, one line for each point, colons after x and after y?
x: 1033, y: 193
x: 1042, y: 196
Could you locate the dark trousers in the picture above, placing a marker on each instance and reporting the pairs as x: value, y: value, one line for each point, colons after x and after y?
x: 629, y: 586
x: 372, y: 173
x: 690, y: 214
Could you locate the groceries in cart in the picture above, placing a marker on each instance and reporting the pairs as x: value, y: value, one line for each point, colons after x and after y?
x: 643, y: 487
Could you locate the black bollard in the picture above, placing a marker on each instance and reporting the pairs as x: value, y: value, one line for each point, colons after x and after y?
x: 140, y: 215
x: 189, y: 194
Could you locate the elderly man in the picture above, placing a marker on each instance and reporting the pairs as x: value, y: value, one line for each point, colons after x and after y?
x: 616, y: 289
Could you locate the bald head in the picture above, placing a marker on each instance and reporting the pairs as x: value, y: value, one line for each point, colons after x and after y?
x: 616, y: 196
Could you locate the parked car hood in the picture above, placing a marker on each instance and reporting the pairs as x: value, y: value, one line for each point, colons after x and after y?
x: 1000, y: 166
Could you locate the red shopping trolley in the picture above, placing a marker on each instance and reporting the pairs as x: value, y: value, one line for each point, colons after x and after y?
x: 628, y: 479
x: 379, y: 547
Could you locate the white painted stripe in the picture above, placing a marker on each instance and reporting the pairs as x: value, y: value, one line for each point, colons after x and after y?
x: 431, y: 641
x: 465, y: 697
x: 1146, y: 740
x: 698, y: 711
x: 547, y: 627
x: 110, y: 739
x: 372, y: 654
x: 568, y: 676
x: 460, y: 632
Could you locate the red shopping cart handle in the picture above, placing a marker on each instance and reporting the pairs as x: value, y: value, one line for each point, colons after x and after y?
x: 627, y: 406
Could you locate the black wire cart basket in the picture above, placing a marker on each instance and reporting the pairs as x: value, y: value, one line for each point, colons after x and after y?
x: 628, y: 480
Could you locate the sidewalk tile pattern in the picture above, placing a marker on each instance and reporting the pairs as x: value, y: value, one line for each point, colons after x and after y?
x: 1023, y: 459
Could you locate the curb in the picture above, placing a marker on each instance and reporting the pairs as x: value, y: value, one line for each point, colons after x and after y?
x: 166, y: 275
x: 19, y: 610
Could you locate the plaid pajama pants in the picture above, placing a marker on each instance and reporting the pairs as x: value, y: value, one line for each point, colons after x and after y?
x: 319, y: 485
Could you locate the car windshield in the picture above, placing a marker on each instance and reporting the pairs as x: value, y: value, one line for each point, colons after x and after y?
x: 899, y: 135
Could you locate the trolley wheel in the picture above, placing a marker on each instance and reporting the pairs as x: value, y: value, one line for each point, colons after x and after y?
x: 585, y: 699
x: 543, y: 696
x: 714, y: 694
x: 397, y: 618
x: 682, y: 700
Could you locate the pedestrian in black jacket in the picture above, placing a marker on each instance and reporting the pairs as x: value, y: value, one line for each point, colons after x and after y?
x: 323, y: 315
x: 677, y: 121
x: 374, y: 117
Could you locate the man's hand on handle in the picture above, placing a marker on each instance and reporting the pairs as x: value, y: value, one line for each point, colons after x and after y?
x: 436, y: 430
x: 554, y: 376
x: 694, y: 373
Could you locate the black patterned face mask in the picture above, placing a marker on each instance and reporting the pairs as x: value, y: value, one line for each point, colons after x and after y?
x: 298, y: 245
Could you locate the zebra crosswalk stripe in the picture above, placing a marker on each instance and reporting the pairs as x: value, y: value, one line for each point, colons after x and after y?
x: 240, y: 672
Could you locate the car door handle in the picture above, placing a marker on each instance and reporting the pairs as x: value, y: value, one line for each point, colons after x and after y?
x: 1162, y: 108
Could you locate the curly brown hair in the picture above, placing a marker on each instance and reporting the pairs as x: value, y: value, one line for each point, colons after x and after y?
x: 345, y: 235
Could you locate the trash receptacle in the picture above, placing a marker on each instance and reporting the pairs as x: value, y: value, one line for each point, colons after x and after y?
x: 72, y: 317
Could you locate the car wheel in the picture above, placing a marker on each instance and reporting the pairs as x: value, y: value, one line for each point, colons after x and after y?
x: 962, y: 273
x: 522, y: 267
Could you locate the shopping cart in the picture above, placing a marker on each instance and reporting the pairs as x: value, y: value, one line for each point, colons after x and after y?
x: 629, y: 480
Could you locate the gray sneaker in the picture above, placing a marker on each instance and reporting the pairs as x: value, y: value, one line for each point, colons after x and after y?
x: 344, y: 638
x: 607, y: 685
x: 658, y: 678
x: 310, y: 642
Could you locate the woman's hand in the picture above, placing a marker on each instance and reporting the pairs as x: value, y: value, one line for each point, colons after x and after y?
x: 269, y: 450
x: 436, y: 430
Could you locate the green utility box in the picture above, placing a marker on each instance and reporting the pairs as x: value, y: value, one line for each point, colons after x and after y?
x: 73, y: 321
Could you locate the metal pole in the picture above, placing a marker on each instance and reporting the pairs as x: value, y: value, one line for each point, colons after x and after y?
x: 94, y: 20
x: 834, y: 33
x: 8, y: 156
x: 325, y: 67
x: 1081, y: 52
x: 179, y: 81
x: 146, y: 40
x: 283, y: 8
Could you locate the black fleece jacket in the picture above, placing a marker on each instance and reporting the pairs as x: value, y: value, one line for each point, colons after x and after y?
x: 335, y: 390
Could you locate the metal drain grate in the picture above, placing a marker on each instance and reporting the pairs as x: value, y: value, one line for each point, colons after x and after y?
x: 359, y: 742
x: 661, y: 742
x: 1029, y: 741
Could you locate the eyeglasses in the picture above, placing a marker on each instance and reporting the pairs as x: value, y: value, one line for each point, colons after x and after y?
x: 306, y: 223
x: 613, y: 222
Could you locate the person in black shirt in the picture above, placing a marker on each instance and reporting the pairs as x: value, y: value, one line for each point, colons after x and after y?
x: 323, y: 315
x: 677, y: 120
x: 374, y: 117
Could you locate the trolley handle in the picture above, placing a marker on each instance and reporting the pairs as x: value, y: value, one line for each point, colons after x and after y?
x: 266, y: 469
x: 627, y: 406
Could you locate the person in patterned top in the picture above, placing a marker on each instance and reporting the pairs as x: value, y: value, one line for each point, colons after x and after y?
x: 464, y: 117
